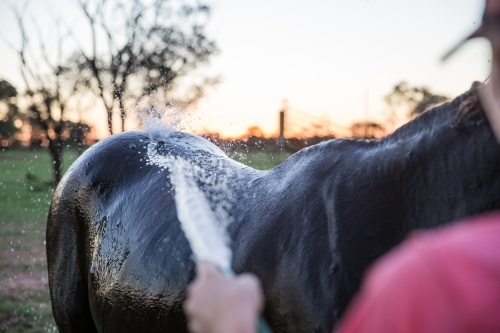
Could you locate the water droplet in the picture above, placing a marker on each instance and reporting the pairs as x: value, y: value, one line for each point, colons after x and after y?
x: 132, y: 146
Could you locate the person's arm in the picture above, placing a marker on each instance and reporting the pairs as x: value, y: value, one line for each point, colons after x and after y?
x: 220, y: 304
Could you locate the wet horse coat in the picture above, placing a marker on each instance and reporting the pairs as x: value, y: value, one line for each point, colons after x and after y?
x: 119, y: 262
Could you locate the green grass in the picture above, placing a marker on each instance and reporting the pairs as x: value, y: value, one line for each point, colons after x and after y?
x: 25, y: 194
x: 28, y: 313
x: 24, y: 296
x: 260, y: 160
x: 26, y: 190
x: 25, y: 183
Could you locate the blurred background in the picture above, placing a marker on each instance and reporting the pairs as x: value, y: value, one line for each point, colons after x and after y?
x: 261, y: 79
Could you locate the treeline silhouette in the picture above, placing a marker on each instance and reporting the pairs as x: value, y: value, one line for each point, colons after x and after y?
x: 260, y: 143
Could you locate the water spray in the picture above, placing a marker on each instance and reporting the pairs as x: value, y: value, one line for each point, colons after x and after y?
x: 205, y: 230
x: 199, y: 224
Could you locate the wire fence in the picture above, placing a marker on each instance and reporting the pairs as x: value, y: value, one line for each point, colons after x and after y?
x: 298, y: 123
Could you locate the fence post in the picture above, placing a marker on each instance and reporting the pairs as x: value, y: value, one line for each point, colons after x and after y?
x: 281, y: 138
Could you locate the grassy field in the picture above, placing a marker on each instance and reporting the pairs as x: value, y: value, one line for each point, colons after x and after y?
x: 25, y: 195
x: 259, y: 160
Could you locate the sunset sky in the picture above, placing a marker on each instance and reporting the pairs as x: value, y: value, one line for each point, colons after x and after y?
x: 331, y: 58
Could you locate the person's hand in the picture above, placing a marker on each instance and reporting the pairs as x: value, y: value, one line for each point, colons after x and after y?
x: 220, y: 304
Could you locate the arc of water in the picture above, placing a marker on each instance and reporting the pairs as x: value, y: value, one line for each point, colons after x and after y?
x: 207, y: 236
x: 199, y: 223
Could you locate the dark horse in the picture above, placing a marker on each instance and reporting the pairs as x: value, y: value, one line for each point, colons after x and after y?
x: 308, y: 228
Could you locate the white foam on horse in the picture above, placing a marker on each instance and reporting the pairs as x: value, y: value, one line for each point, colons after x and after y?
x: 204, y: 228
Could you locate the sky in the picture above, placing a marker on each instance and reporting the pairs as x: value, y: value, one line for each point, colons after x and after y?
x: 335, y: 59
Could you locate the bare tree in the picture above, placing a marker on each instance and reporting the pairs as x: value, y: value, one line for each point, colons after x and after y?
x: 140, y: 50
x: 47, y: 90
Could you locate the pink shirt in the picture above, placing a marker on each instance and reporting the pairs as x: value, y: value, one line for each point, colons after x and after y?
x: 445, y: 280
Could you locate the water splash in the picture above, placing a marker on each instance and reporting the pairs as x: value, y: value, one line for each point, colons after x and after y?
x: 203, y: 214
x: 165, y: 118
x: 207, y: 237
x: 158, y: 120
